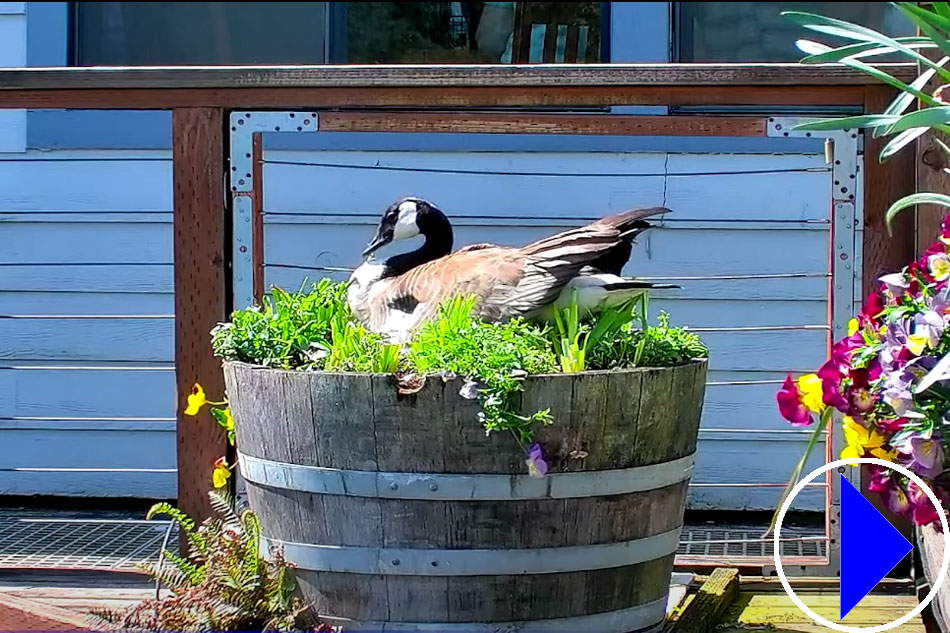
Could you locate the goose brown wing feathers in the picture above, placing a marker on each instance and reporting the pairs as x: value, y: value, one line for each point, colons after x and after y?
x: 552, y: 262
x: 506, y: 282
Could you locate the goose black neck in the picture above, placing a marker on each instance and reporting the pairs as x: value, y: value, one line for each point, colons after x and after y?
x: 437, y: 230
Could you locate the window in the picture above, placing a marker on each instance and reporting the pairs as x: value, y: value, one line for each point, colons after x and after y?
x: 473, y: 32
x: 206, y: 33
x: 209, y: 33
x: 756, y: 32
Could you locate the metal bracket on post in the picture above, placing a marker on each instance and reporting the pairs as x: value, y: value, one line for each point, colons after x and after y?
x: 847, y: 231
x: 247, y: 191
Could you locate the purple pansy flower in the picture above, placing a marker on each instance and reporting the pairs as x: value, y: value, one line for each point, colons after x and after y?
x: 926, y: 455
x: 537, y: 467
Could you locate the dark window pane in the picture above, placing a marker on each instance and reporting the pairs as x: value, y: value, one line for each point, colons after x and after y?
x: 470, y: 32
x: 756, y: 32
x: 209, y: 33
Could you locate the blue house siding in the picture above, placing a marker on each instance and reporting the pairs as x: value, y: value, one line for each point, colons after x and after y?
x: 727, y: 223
x: 86, y: 368
x: 85, y: 217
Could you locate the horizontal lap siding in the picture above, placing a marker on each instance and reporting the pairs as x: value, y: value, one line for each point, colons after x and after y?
x: 726, y: 223
x: 87, y: 234
x: 90, y: 233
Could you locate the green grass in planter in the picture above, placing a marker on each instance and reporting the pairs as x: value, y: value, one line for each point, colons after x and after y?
x: 499, y: 356
x: 661, y: 346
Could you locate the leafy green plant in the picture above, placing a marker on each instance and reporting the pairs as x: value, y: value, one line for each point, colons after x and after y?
x: 316, y: 331
x: 225, y: 585
x: 305, y: 331
x: 659, y: 345
x: 576, y: 335
x: 498, y: 355
x: 933, y: 21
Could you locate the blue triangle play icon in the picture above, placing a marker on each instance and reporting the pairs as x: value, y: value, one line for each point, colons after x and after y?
x: 870, y: 547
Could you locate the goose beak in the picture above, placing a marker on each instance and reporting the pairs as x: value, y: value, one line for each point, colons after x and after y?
x: 378, y: 242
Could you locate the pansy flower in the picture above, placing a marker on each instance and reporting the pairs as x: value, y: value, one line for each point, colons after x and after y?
x: 925, y: 455
x: 797, y: 400
x: 221, y: 473
x: 537, y: 467
x: 861, y: 440
x: 939, y: 265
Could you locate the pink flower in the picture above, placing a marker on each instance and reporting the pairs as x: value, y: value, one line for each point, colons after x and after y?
x: 790, y: 405
x: 923, y: 511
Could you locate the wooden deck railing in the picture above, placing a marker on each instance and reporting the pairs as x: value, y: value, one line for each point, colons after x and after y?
x: 427, y: 99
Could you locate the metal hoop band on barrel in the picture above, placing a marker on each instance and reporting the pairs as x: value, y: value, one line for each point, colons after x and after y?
x: 475, y: 562
x: 447, y: 487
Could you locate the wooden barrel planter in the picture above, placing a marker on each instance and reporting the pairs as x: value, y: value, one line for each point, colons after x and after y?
x: 401, y: 514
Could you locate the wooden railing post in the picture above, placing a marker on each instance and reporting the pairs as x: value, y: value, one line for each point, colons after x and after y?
x: 884, y: 184
x: 201, y: 291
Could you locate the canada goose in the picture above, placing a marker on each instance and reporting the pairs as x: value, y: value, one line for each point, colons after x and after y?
x: 394, y: 296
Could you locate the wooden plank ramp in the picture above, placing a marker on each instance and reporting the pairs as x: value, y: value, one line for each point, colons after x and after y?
x: 724, y: 603
x: 60, y: 600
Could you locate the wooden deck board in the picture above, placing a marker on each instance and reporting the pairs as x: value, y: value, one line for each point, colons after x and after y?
x: 77, y: 592
x: 777, y: 609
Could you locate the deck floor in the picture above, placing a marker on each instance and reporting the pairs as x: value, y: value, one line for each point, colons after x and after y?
x: 47, y: 595
x: 777, y: 613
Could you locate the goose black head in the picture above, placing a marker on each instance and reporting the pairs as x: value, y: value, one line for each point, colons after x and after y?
x: 404, y: 220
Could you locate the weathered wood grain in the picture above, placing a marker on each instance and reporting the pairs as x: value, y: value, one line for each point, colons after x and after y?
x: 507, y: 123
x: 200, y: 292
x: 455, y: 75
x: 712, y: 600
x: 308, y: 98
x: 885, y: 252
x: 603, y: 420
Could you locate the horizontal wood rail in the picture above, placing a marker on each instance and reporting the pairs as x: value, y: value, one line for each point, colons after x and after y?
x: 461, y: 86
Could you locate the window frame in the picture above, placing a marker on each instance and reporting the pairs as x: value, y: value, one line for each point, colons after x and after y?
x: 639, y: 32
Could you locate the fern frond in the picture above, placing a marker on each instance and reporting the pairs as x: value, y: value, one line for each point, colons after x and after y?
x: 193, y: 573
x: 185, y: 522
x: 221, y: 503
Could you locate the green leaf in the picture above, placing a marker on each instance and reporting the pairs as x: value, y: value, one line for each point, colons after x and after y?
x: 865, y: 49
x: 942, y: 9
x: 903, y: 101
x: 928, y: 117
x: 900, y: 141
x: 913, y: 200
x: 800, y: 466
x: 925, y: 22
x: 933, y: 18
x: 220, y: 417
x: 810, y: 47
x: 848, y: 122
x: 840, y: 28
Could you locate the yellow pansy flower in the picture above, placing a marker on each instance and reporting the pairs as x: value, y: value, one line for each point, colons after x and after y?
x: 196, y: 400
x: 917, y: 344
x: 221, y: 473
x: 861, y: 440
x: 809, y: 385
x: 853, y: 327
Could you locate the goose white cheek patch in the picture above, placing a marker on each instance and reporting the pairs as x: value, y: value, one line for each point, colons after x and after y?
x: 406, y: 227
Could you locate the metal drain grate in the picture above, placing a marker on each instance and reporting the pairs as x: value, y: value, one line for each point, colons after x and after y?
x: 35, y: 541
x: 115, y: 542
x: 745, y: 543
